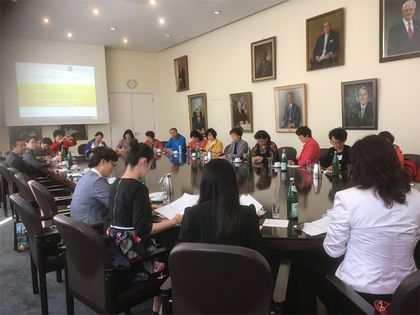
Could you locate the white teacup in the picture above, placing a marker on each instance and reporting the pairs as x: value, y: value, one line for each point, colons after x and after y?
x: 237, y: 160
x: 175, y: 152
x: 158, y: 150
x: 192, y: 153
x: 277, y: 164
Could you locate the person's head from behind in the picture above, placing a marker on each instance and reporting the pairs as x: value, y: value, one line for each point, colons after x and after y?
x: 387, y: 135
x: 326, y: 27
x: 174, y: 133
x: 31, y: 143
x: 218, y: 183
x: 196, y: 136
x: 99, y: 136
x: 338, y: 137
x: 128, y: 135
x: 236, y: 134
x: 45, y: 143
x: 211, y: 134
x: 375, y: 164
x: 18, y: 146
x: 408, y: 10
x: 58, y: 134
x: 290, y: 98
x: 103, y: 159
x: 363, y: 95
x: 304, y: 134
x: 139, y: 158
x: 262, y: 137
x: 150, y: 135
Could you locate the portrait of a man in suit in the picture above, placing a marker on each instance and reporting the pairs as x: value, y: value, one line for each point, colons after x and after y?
x: 404, y: 36
x: 326, y: 48
x: 291, y: 116
x: 181, y: 73
x: 290, y: 107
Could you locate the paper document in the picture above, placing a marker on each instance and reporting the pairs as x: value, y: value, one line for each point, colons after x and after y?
x: 317, y: 227
x: 178, y: 206
x: 276, y: 223
x: 246, y: 200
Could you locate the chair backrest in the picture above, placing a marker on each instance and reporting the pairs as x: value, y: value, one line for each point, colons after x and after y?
x: 21, y: 181
x: 44, y: 199
x: 226, y: 149
x: 291, y: 152
x: 324, y: 152
x: 8, y: 177
x: 81, y: 148
x: 406, y: 299
x: 219, y: 279
x: 414, y: 157
x: 87, y: 259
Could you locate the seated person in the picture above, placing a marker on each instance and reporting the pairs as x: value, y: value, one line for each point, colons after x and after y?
x: 94, y: 143
x: 264, y: 148
x: 15, y: 158
x: 218, y: 218
x: 238, y: 147
x: 376, y: 223
x: 90, y: 202
x: 175, y: 141
x: 123, y: 144
x: 338, y: 137
x: 29, y: 156
x: 388, y: 136
x: 197, y: 140
x: 214, y: 145
x: 311, y: 152
x: 151, y: 141
x: 61, y: 140
x: 43, y: 151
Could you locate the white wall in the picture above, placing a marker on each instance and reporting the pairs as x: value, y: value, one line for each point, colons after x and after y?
x: 219, y: 64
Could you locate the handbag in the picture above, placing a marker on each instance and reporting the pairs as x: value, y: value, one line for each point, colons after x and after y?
x: 381, y: 307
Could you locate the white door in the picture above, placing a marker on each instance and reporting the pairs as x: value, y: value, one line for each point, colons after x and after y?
x: 133, y: 111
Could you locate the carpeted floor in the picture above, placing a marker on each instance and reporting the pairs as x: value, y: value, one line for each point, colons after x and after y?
x: 16, y: 295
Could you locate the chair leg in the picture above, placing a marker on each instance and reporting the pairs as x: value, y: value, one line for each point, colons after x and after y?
x: 4, y: 202
x: 35, y: 288
x: 59, y: 276
x: 43, y: 291
x: 69, y: 297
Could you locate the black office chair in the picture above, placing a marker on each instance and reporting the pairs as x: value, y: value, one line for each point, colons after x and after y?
x: 81, y: 148
x: 217, y: 279
x: 324, y: 153
x: 8, y: 186
x: 291, y: 152
x: 90, y: 275
x: 405, y: 299
x: 45, y: 253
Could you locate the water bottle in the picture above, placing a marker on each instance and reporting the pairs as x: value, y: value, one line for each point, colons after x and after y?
x: 69, y: 160
x: 180, y: 149
x: 292, y: 201
x: 209, y: 157
x: 197, y: 151
x: 249, y: 159
x: 335, y: 165
x: 283, y: 163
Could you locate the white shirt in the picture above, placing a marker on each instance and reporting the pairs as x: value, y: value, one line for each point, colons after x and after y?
x: 406, y: 25
x: 378, y: 242
x: 324, y: 50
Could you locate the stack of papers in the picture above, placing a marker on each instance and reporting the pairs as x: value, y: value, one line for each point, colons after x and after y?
x: 317, y: 227
x: 276, y: 223
x: 246, y: 200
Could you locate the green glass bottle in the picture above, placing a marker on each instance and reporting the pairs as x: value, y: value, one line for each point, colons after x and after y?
x: 249, y: 159
x: 197, y: 151
x: 292, y: 201
x: 283, y: 163
x: 63, y: 153
x: 69, y: 160
x: 335, y: 165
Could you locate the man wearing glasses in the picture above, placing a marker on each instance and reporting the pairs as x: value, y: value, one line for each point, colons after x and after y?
x: 338, y: 137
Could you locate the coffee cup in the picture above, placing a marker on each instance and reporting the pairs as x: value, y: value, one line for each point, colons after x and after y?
x: 277, y: 164
x: 237, y: 160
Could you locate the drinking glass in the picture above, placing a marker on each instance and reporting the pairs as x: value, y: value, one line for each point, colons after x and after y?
x: 275, y: 208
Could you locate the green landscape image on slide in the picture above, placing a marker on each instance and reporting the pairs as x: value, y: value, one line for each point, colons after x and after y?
x: 51, y: 94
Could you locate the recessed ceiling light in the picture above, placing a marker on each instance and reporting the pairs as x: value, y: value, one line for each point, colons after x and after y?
x: 152, y: 2
x: 96, y: 11
x: 125, y: 40
x: 46, y: 20
x: 69, y: 35
x: 162, y: 21
x: 168, y: 35
x: 217, y: 12
x: 112, y: 28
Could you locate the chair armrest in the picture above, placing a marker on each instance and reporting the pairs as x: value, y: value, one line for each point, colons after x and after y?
x: 348, y: 293
x: 156, y: 253
x: 166, y: 293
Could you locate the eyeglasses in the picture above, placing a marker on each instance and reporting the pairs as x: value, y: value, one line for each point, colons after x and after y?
x: 336, y: 142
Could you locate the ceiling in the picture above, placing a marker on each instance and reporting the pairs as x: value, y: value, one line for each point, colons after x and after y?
x: 135, y: 20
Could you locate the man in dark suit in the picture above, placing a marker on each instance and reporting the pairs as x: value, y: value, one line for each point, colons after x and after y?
x: 326, y: 47
x: 15, y: 158
x: 265, y: 68
x: 404, y: 37
x: 361, y: 114
x: 291, y: 115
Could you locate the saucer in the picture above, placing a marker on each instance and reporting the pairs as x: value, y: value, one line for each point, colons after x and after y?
x: 276, y: 166
x: 293, y: 166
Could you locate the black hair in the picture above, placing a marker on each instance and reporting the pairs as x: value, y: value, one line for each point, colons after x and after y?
x: 13, y: 144
x: 304, y: 131
x: 388, y: 136
x: 128, y: 132
x: 375, y: 164
x: 58, y: 132
x: 237, y: 130
x: 218, y: 184
x: 174, y: 129
x: 150, y: 134
x: 338, y: 133
x: 99, y: 133
x: 196, y: 134
x: 262, y: 134
x: 102, y: 153
x: 137, y: 151
x: 46, y: 140
x: 212, y: 131
x: 29, y: 138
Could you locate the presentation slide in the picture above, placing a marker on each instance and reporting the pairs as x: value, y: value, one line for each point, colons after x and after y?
x: 55, y: 90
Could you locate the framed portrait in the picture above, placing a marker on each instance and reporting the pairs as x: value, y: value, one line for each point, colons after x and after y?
x: 325, y: 40
x: 399, y: 30
x: 359, y: 104
x: 21, y: 132
x: 241, y: 111
x: 181, y: 74
x: 79, y: 132
x: 290, y: 107
x: 263, y: 59
x: 197, y: 105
